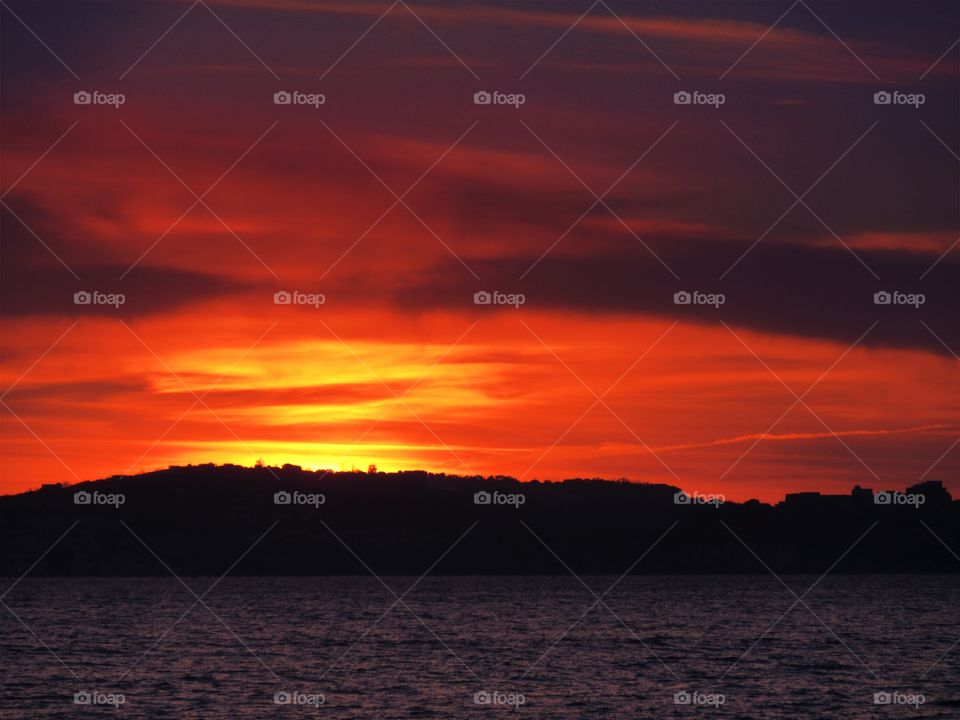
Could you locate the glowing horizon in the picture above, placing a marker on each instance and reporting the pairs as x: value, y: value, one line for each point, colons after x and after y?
x: 800, y: 380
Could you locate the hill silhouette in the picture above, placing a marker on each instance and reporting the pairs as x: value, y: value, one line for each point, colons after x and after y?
x: 206, y: 519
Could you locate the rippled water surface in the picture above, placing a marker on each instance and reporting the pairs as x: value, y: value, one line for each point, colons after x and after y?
x: 540, y: 647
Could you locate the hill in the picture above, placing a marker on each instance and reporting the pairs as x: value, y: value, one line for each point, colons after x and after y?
x: 202, y: 519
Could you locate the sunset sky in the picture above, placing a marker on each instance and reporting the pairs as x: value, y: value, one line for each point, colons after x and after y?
x: 399, y: 198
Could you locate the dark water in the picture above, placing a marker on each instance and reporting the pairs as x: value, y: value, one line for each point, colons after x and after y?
x: 318, y: 640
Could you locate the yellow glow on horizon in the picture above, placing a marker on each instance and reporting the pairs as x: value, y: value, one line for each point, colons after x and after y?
x: 313, y: 456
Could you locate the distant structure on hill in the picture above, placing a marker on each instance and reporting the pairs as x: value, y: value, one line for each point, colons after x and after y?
x: 930, y: 493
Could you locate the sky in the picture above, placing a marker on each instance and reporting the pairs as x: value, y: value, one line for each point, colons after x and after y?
x: 782, y: 198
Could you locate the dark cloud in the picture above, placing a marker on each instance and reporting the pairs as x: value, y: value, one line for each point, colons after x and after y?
x: 39, y: 280
x: 85, y: 391
x: 811, y: 292
x: 148, y: 290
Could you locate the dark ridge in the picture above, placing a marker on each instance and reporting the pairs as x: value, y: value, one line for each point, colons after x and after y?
x: 201, y: 519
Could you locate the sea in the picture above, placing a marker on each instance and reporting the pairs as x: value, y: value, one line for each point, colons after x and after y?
x: 758, y: 646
